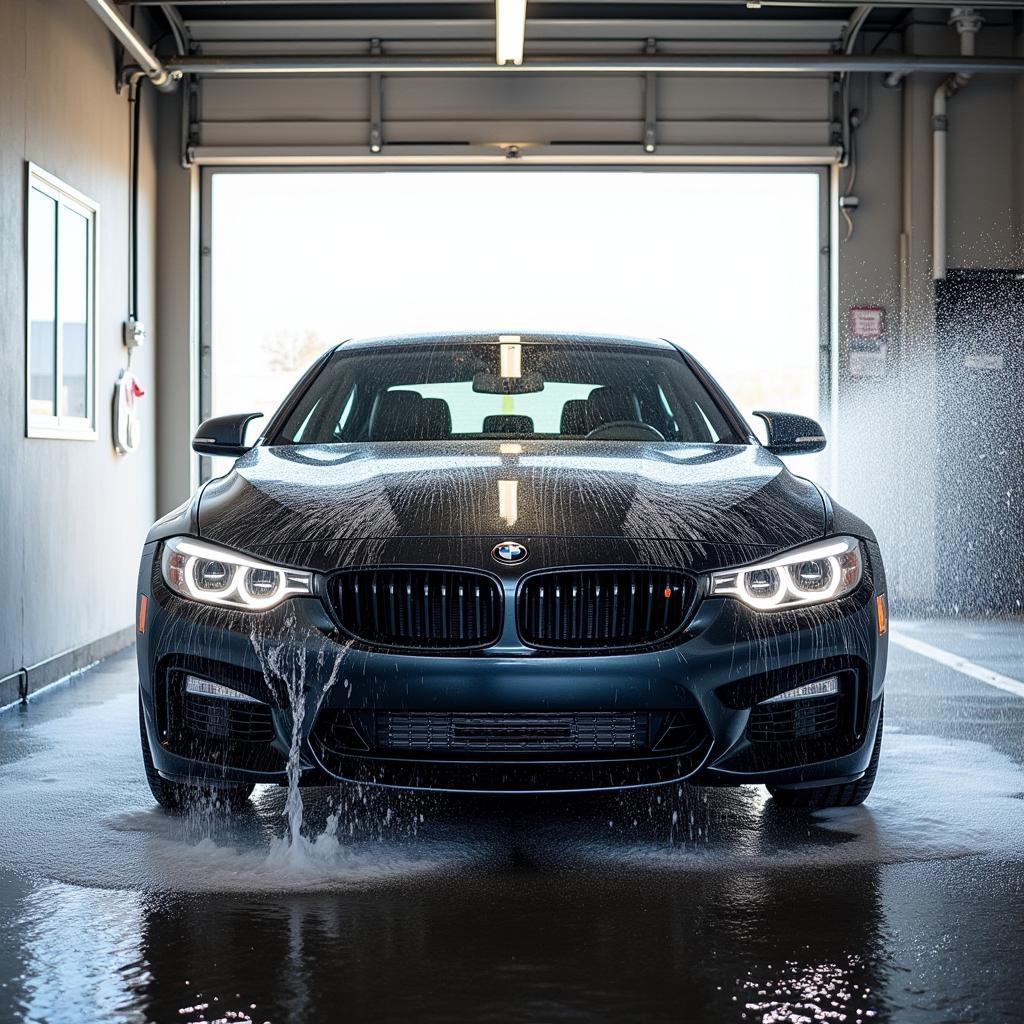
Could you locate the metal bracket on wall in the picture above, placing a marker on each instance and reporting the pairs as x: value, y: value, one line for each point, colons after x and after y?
x: 189, y: 120
x: 650, y: 103
x: 14, y: 688
x: 838, y: 85
x: 376, y: 102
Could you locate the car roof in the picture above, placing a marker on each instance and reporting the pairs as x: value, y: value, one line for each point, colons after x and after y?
x: 492, y: 338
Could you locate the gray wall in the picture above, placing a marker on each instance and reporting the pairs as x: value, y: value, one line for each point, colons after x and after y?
x: 890, y: 429
x: 177, y: 402
x: 72, y: 513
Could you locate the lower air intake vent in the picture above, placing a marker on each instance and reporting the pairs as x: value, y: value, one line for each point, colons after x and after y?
x: 510, y: 733
x: 428, y: 608
x: 214, y: 730
x: 227, y: 720
x: 791, y: 720
x: 601, y: 608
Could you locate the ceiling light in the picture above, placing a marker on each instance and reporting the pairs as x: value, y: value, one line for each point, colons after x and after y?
x: 511, y: 30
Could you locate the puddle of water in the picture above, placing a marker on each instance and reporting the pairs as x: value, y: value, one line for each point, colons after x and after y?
x: 934, y: 799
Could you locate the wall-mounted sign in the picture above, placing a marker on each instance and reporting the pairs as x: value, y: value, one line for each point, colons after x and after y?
x: 984, y: 361
x: 867, y: 341
x: 867, y: 322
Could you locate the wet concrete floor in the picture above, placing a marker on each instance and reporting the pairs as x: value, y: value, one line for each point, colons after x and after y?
x: 700, y: 905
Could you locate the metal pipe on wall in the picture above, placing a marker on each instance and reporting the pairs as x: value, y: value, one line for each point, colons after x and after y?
x: 754, y: 64
x: 967, y: 22
x: 135, y: 45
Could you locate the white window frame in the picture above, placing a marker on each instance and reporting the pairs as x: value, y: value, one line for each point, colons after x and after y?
x: 58, y: 425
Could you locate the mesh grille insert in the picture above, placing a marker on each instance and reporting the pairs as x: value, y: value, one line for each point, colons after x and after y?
x: 510, y: 733
x: 790, y: 720
x: 227, y: 720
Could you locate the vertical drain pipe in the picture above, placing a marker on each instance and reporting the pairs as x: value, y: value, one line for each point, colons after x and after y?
x: 967, y: 22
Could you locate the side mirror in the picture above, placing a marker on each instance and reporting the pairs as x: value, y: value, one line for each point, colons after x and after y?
x: 789, y: 434
x: 224, y: 435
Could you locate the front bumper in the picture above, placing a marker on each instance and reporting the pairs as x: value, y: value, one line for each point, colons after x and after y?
x: 726, y: 661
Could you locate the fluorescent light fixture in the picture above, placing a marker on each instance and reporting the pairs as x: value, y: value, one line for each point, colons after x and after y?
x: 819, y: 688
x: 511, y: 355
x: 206, y: 688
x: 511, y: 30
x: 508, y: 501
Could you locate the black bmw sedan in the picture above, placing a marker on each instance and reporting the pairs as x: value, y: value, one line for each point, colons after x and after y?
x: 511, y: 563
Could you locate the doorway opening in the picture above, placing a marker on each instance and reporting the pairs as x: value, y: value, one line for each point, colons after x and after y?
x: 728, y: 263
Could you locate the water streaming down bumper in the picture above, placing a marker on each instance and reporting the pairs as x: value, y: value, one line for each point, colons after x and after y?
x: 521, y: 718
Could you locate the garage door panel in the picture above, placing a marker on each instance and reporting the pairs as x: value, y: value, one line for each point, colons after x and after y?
x: 740, y: 111
x: 523, y: 97
x: 284, y: 98
x: 754, y: 97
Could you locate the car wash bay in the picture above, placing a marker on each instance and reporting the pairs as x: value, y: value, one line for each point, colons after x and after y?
x: 236, y: 183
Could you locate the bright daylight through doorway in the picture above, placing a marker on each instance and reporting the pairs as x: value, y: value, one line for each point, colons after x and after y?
x: 725, y: 263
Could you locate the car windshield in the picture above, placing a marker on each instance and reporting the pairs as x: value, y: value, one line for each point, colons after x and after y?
x: 505, y: 390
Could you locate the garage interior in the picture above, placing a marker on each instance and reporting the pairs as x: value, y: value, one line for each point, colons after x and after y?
x: 119, y: 123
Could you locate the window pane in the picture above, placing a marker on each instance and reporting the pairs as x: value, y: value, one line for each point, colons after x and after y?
x: 42, y: 296
x: 74, y: 311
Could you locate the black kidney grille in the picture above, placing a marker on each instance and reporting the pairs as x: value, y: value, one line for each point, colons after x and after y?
x: 785, y: 721
x: 508, y: 732
x: 601, y: 608
x: 419, y: 607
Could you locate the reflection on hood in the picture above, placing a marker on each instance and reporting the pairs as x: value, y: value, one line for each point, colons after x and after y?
x: 734, y: 494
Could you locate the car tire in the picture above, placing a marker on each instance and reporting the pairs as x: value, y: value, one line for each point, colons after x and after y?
x: 181, y: 796
x: 849, y: 794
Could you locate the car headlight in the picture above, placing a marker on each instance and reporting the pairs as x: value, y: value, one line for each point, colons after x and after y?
x: 215, y: 575
x: 823, y: 571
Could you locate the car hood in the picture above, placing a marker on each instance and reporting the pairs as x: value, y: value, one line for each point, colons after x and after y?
x: 737, y: 495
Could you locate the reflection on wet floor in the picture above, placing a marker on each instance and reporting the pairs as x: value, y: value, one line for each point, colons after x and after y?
x: 659, y: 905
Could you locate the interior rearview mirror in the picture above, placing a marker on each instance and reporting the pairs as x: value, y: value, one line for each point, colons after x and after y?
x: 495, y: 384
x: 224, y: 435
x: 789, y: 434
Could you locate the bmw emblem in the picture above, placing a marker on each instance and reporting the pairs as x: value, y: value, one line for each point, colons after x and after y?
x: 509, y: 551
